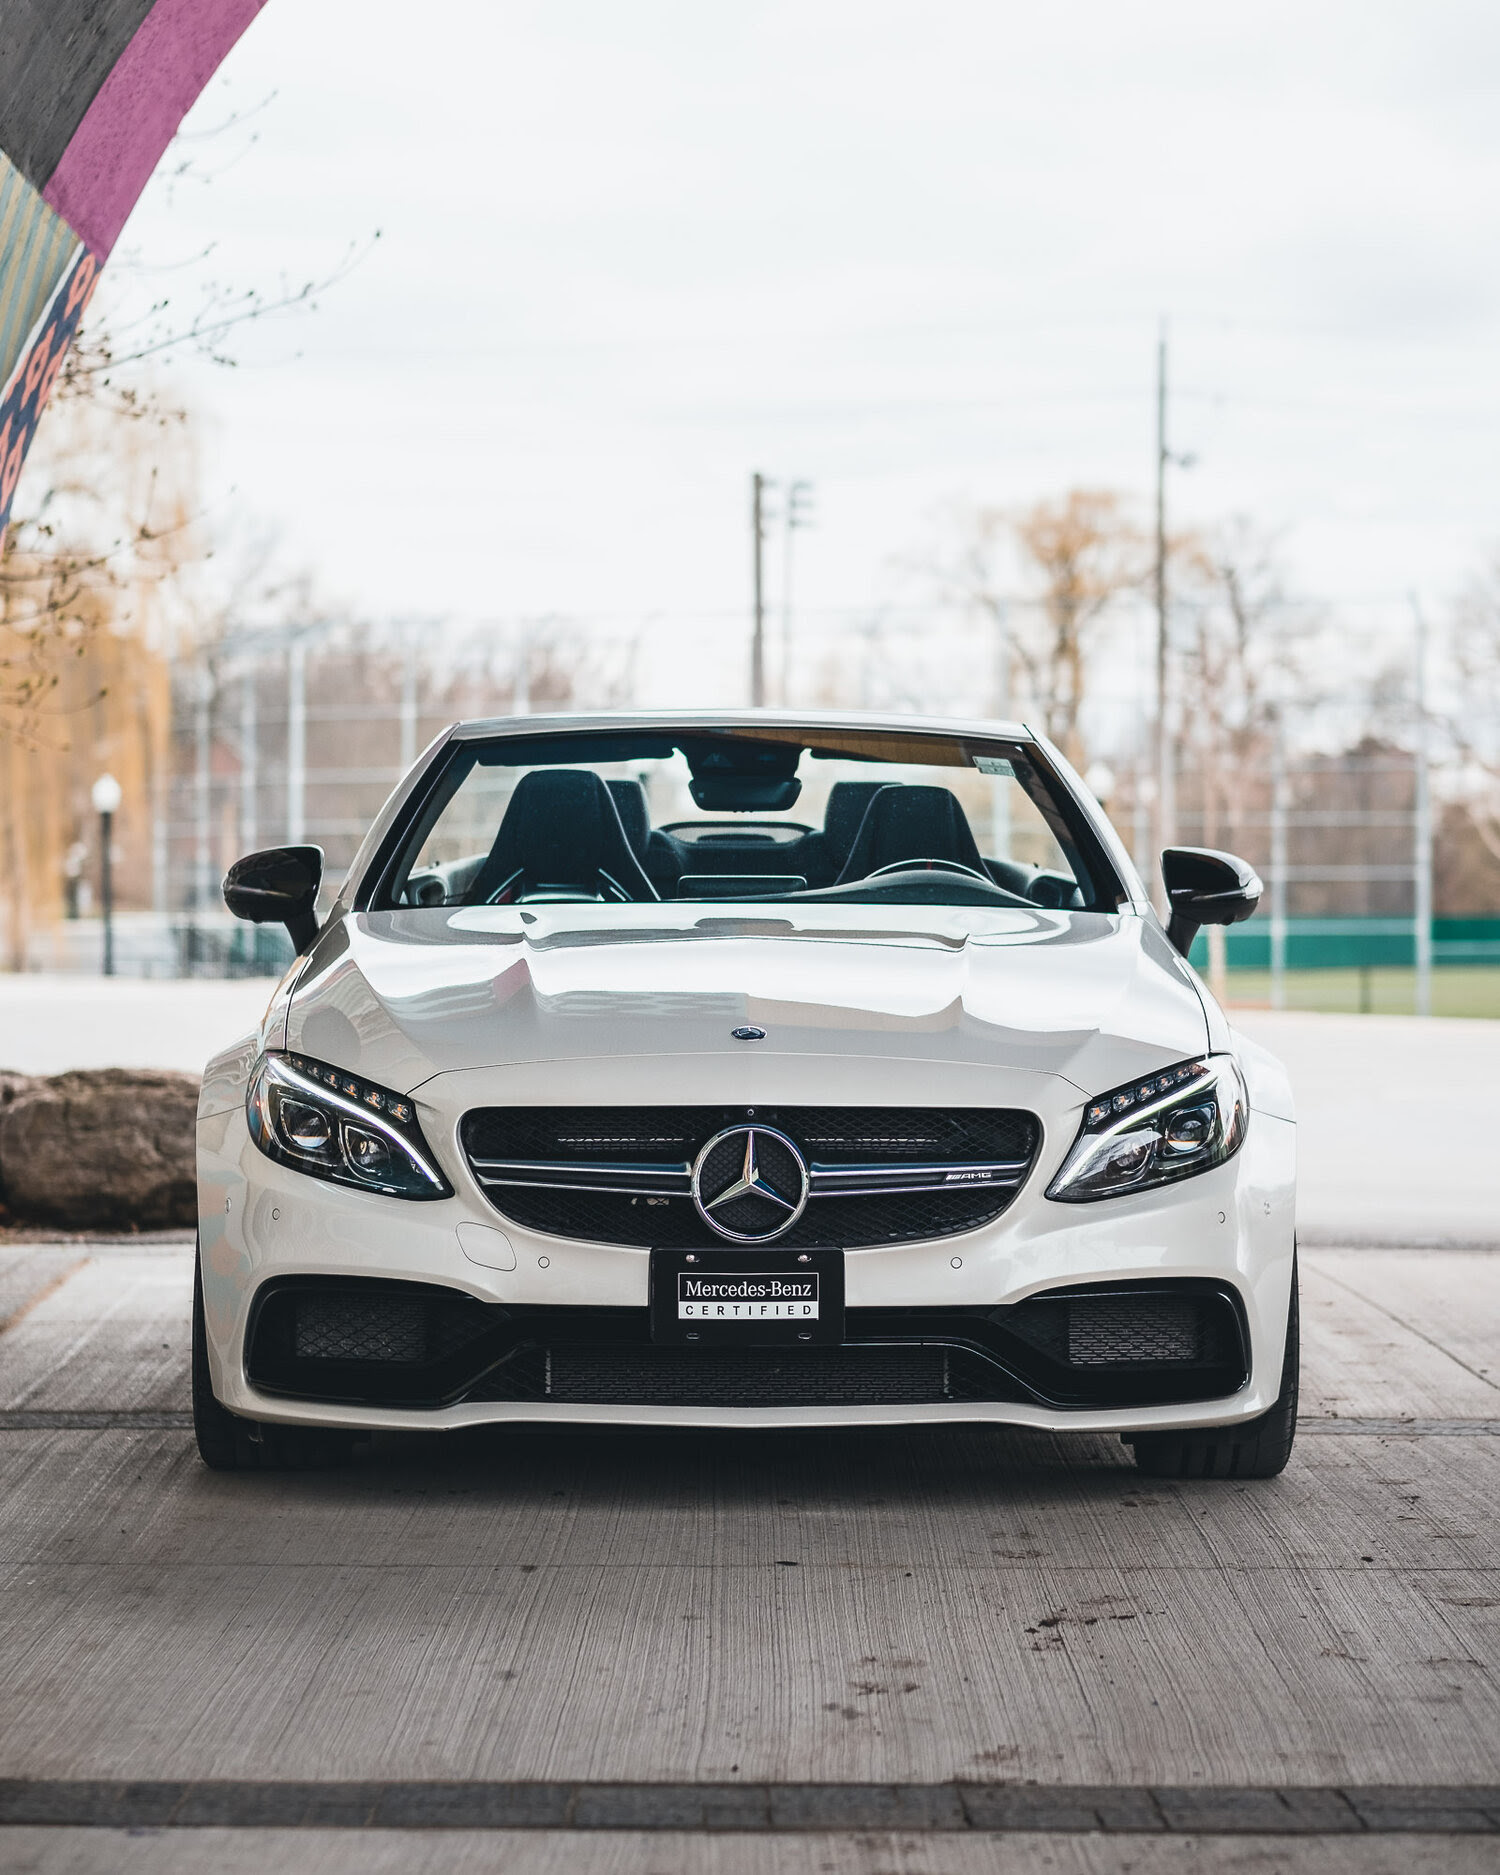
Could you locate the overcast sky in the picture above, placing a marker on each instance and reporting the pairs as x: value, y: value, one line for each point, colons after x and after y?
x: 912, y: 250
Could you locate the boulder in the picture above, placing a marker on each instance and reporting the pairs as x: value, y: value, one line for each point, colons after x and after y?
x: 101, y: 1149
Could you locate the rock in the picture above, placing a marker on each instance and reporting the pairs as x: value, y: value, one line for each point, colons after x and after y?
x: 11, y: 1084
x: 101, y: 1148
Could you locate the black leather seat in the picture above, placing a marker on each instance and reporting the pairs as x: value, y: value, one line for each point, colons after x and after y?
x: 635, y: 817
x: 911, y: 823
x: 821, y: 855
x: 561, y: 830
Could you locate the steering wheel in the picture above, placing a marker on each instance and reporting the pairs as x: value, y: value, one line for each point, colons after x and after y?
x: 932, y: 865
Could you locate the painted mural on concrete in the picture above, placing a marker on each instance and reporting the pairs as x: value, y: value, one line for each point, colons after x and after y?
x: 91, y: 92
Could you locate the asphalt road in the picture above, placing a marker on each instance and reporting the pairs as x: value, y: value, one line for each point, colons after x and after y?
x: 663, y: 1639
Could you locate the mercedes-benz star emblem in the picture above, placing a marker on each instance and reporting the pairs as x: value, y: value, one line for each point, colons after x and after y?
x: 750, y: 1184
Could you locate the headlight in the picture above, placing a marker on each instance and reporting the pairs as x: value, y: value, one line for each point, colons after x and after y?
x: 336, y: 1126
x: 1154, y: 1131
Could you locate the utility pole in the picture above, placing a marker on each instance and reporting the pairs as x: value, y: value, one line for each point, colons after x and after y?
x: 798, y: 515
x: 1422, y: 830
x: 1165, y: 778
x: 759, y: 486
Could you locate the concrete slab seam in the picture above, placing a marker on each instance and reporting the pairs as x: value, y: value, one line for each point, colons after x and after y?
x: 1289, y: 1810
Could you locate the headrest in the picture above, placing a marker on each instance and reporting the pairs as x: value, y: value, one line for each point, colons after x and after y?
x: 553, y: 827
x: 911, y: 823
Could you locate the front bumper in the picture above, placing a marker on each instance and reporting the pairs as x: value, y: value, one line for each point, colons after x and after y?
x: 262, y: 1224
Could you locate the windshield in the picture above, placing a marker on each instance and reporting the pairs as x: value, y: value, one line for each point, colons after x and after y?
x: 748, y: 814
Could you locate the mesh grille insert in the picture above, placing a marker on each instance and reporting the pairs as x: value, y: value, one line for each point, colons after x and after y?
x: 344, y: 1327
x: 1106, y: 1330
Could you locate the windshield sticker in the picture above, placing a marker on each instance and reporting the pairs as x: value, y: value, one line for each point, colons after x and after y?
x: 995, y: 765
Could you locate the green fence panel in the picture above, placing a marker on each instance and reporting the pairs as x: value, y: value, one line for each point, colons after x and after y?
x: 1355, y: 943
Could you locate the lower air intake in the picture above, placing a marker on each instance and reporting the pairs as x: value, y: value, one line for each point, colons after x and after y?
x: 365, y: 1339
x: 1105, y: 1331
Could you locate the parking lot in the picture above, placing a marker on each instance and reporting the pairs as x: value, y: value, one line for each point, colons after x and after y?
x: 638, y: 1653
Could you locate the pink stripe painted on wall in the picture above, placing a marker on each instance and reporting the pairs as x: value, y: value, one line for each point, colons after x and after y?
x: 175, y: 51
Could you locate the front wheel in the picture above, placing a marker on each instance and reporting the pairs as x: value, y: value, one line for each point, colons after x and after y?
x: 229, y: 1443
x: 1258, y: 1449
x: 218, y: 1432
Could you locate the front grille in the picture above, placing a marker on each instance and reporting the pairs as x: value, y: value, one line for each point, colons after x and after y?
x: 632, y: 1165
x: 748, y: 1376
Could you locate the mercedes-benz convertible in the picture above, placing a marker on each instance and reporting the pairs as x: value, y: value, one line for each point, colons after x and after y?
x: 745, y: 1070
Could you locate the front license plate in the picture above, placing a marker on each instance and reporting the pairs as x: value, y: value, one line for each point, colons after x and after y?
x: 746, y: 1296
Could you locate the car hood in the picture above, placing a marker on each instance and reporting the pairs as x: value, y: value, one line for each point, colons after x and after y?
x: 403, y: 996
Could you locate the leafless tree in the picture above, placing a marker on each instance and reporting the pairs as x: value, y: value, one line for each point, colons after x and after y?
x: 1078, y: 555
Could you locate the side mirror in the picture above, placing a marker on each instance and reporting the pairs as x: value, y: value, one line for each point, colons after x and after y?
x: 278, y: 886
x: 1205, y: 887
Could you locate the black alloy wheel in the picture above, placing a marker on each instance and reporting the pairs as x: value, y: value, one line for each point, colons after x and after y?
x: 1259, y: 1448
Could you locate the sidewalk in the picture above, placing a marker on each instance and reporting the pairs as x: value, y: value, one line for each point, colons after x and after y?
x: 51, y: 1023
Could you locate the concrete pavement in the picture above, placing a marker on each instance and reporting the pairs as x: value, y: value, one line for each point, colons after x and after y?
x: 910, y: 1611
x: 1395, y: 1118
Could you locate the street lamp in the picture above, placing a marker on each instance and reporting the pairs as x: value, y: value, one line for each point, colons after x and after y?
x: 106, y: 796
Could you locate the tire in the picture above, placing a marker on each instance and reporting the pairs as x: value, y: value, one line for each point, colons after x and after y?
x: 218, y: 1432
x: 228, y: 1443
x: 1258, y: 1449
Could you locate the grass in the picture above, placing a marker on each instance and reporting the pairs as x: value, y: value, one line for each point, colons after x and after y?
x: 1383, y: 992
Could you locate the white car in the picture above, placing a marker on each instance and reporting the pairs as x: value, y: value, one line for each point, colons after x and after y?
x: 746, y: 1070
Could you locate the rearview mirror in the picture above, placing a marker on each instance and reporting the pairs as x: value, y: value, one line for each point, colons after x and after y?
x: 278, y: 886
x: 1205, y: 887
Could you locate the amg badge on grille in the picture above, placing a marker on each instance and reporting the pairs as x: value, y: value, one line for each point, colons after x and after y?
x: 750, y: 1184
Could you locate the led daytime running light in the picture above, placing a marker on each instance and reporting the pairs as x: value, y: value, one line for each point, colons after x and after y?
x: 352, y: 1088
x: 1128, y: 1100
x: 356, y: 1108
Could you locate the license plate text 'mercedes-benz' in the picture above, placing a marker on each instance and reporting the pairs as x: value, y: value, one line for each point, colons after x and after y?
x: 752, y: 1297
x: 708, y: 1298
